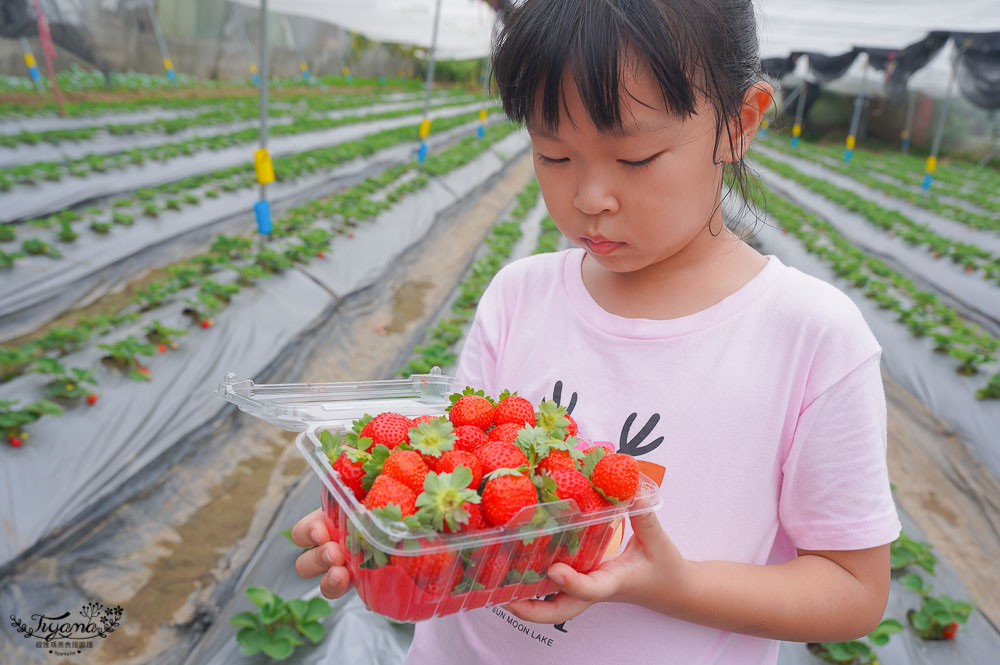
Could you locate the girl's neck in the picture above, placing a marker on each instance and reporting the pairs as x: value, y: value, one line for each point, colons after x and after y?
x: 693, y: 279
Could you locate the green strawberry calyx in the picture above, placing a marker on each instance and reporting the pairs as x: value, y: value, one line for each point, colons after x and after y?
x: 434, y: 437
x: 552, y: 418
x: 444, y: 497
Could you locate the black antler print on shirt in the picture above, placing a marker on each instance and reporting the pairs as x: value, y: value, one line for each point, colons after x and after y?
x: 557, y: 397
x: 630, y: 446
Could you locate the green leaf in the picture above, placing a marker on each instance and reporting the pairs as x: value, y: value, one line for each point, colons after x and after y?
x: 313, y: 630
x: 261, y: 597
x: 298, y: 608
x: 920, y: 620
x: 245, y: 619
x: 251, y: 640
x: 279, y: 648
x: 913, y: 582
x: 290, y: 634
x: 318, y: 608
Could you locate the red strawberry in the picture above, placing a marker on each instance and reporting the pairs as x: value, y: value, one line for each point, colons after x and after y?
x: 406, y: 467
x: 499, y: 455
x: 472, y: 410
x: 476, y: 519
x: 14, y: 441
x: 319, y: 255
x: 162, y: 348
x: 427, y: 567
x: 469, y: 437
x: 206, y: 324
x: 572, y: 429
x: 424, y: 419
x: 455, y: 458
x: 389, y: 429
x: 386, y: 490
x: 572, y: 484
x: 444, y: 584
x: 351, y: 474
x: 515, y: 410
x: 616, y: 476
x: 505, y: 496
x: 949, y: 631
x: 591, y: 500
x: 91, y: 398
x: 506, y: 432
x: 492, y: 564
x: 556, y: 459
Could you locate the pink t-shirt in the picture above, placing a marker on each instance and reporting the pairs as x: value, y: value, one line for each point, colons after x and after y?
x: 766, y: 409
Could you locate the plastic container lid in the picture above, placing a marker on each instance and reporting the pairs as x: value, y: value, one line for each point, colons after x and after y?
x: 297, y: 406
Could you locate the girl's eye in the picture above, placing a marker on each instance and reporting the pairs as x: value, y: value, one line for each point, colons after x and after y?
x: 639, y: 164
x: 548, y: 160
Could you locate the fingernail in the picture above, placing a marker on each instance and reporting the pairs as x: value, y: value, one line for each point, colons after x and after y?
x: 557, y: 578
x: 314, y: 535
x: 327, y: 557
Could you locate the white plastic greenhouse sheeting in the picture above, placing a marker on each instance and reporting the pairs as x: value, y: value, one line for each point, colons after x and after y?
x: 464, y: 30
x: 98, y: 449
x: 833, y: 27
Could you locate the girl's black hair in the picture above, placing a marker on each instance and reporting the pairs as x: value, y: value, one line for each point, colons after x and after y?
x: 691, y: 46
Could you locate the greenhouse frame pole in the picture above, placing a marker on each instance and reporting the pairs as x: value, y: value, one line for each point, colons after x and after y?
x: 799, y: 112
x: 939, y: 131
x: 994, y: 135
x: 911, y: 107
x: 241, y: 24
x: 168, y: 64
x: 859, y: 102
x: 262, y: 160
x: 29, y: 60
x: 425, y: 125
x: 49, y: 52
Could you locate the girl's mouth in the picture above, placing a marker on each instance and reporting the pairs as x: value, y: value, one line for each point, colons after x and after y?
x: 600, y: 245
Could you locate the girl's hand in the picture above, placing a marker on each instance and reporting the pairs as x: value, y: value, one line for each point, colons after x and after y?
x: 649, y: 561
x: 324, y: 558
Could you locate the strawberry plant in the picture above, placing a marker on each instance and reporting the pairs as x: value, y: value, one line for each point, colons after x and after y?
x: 7, y: 233
x: 184, y: 274
x: 234, y: 247
x: 37, y: 247
x: 905, y: 551
x: 162, y: 336
x: 123, y: 219
x: 153, y: 295
x: 12, y: 362
x: 102, y: 228
x: 939, y: 616
x: 123, y: 355
x: 856, y: 651
x: 67, y: 233
x: 203, y: 308
x: 7, y: 258
x: 249, y: 274
x: 991, y: 390
x: 272, y: 261
x: 14, y: 420
x: 69, y: 386
x: 63, y: 340
x: 279, y: 626
x: 221, y: 292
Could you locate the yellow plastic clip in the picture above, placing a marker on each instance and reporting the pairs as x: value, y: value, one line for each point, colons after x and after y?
x: 482, y: 115
x: 796, y: 130
x: 253, y: 68
x: 764, y: 124
x: 168, y: 63
x: 904, y: 134
x: 425, y: 128
x: 264, y: 166
x: 303, y: 66
x: 346, y: 71
x: 29, y: 59
x: 850, y: 142
x: 931, y: 164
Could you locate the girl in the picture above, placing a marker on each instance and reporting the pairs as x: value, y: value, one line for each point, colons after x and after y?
x: 756, y: 386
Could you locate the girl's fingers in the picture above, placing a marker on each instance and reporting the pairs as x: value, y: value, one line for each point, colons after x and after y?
x: 335, y: 583
x: 318, y: 560
x: 310, y: 531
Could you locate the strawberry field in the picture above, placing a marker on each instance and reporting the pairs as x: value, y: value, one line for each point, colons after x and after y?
x: 135, y: 287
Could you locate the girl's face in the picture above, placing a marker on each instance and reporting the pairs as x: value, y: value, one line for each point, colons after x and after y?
x: 640, y: 197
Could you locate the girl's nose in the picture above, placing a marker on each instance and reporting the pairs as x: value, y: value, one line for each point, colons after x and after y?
x: 595, y: 197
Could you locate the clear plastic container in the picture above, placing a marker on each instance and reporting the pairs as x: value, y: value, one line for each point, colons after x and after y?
x: 410, y: 575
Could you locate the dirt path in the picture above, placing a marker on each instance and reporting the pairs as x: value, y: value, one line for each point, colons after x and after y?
x: 954, y: 499
x: 216, y: 509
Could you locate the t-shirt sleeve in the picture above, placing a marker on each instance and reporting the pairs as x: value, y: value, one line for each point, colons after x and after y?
x: 835, y: 492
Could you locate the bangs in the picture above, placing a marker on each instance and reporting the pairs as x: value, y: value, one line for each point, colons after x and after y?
x: 598, y: 41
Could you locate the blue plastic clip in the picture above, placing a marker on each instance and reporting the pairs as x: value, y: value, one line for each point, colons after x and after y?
x: 481, y: 132
x: 262, y: 209
x: 172, y: 76
x: 256, y: 79
x: 762, y: 131
x: 795, y: 141
x: 906, y: 144
x: 422, y: 153
x: 306, y: 75
x: 926, y: 184
x: 36, y: 75
x: 847, y: 155
x: 381, y: 80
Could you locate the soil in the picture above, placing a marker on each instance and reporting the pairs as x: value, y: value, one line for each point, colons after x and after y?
x: 164, y: 579
x: 951, y: 497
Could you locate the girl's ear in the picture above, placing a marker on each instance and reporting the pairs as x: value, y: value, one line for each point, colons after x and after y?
x: 756, y: 102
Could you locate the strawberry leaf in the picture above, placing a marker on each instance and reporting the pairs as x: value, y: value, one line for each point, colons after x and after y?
x: 359, y: 425
x: 591, y: 458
